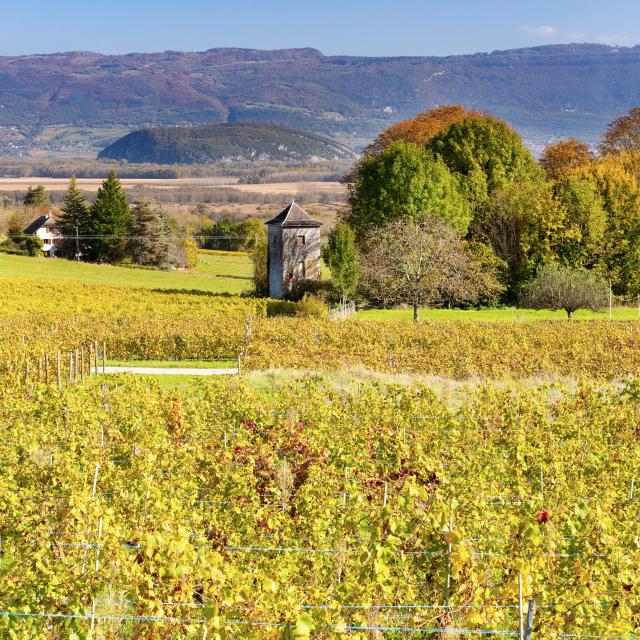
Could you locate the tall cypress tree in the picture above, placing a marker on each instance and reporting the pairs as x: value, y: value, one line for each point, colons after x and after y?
x: 74, y: 222
x: 110, y: 220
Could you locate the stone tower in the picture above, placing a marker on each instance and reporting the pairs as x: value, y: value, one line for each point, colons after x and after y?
x: 294, y: 250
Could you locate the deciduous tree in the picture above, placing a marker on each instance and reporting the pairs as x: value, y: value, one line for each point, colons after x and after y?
x: 488, y: 156
x: 404, y: 182
x: 521, y: 222
x: 562, y: 157
x: 561, y: 287
x: 620, y: 259
x: 421, y: 129
x: 259, y: 257
x: 623, y: 134
x: 421, y: 263
x: 580, y: 241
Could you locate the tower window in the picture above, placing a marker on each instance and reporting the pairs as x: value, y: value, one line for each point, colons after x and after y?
x: 302, y: 270
x: 302, y: 240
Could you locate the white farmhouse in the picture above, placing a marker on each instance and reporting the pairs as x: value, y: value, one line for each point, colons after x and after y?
x: 47, y: 229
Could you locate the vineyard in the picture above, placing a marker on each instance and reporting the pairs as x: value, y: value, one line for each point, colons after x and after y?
x: 376, y: 512
x: 312, y: 509
x: 165, y: 325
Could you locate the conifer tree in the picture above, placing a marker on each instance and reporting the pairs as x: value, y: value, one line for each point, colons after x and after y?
x: 74, y: 222
x: 110, y: 221
x: 149, y: 236
x: 36, y: 197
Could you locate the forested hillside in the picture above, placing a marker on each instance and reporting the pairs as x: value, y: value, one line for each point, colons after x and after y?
x: 210, y: 143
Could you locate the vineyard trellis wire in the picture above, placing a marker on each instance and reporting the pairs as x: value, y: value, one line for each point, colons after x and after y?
x: 179, y: 439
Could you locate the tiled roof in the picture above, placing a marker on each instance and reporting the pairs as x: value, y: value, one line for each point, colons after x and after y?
x: 294, y: 216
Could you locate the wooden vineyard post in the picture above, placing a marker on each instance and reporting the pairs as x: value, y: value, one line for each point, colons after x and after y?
x: 39, y: 369
x: 97, y: 556
x: 95, y: 480
x: 58, y: 369
x: 96, y: 355
x: 239, y: 364
x: 449, y: 550
x: 82, y: 362
x: 46, y: 368
x: 520, y: 609
x: 530, y: 613
x: 71, y: 367
x: 104, y: 357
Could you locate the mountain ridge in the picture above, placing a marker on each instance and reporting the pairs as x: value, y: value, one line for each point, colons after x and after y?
x: 545, y: 92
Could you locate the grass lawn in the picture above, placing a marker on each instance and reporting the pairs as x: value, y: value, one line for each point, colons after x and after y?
x: 234, y: 265
x: 214, y: 273
x: 175, y: 364
x: 493, y: 315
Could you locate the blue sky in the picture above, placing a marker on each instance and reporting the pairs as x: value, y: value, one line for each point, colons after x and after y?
x: 355, y: 27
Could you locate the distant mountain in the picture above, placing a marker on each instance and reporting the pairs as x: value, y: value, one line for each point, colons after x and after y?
x: 545, y: 92
x: 224, y: 142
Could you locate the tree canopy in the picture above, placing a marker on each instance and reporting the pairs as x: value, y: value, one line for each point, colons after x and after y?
x: 340, y: 256
x: 149, y: 241
x: 562, y: 157
x: 110, y: 218
x: 473, y: 171
x: 74, y: 222
x: 487, y: 154
x: 405, y: 182
x: 421, y: 263
x: 561, y: 287
x: 421, y: 129
x: 623, y: 134
x: 36, y: 197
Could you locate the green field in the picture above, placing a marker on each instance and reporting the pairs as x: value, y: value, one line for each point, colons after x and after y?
x: 508, y: 314
x: 175, y: 364
x: 214, y: 273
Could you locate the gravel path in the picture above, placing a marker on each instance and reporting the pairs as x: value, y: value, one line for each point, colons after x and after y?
x: 154, y: 371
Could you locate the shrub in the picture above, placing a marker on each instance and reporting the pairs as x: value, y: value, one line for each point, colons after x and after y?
x: 280, y: 308
x: 311, y: 307
x: 558, y: 287
x: 33, y: 246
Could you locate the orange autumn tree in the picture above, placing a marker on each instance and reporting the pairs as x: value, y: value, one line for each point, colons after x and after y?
x: 623, y: 134
x: 559, y: 159
x: 422, y: 128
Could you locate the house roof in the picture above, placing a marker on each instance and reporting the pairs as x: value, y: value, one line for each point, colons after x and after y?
x: 38, y: 223
x: 294, y: 216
